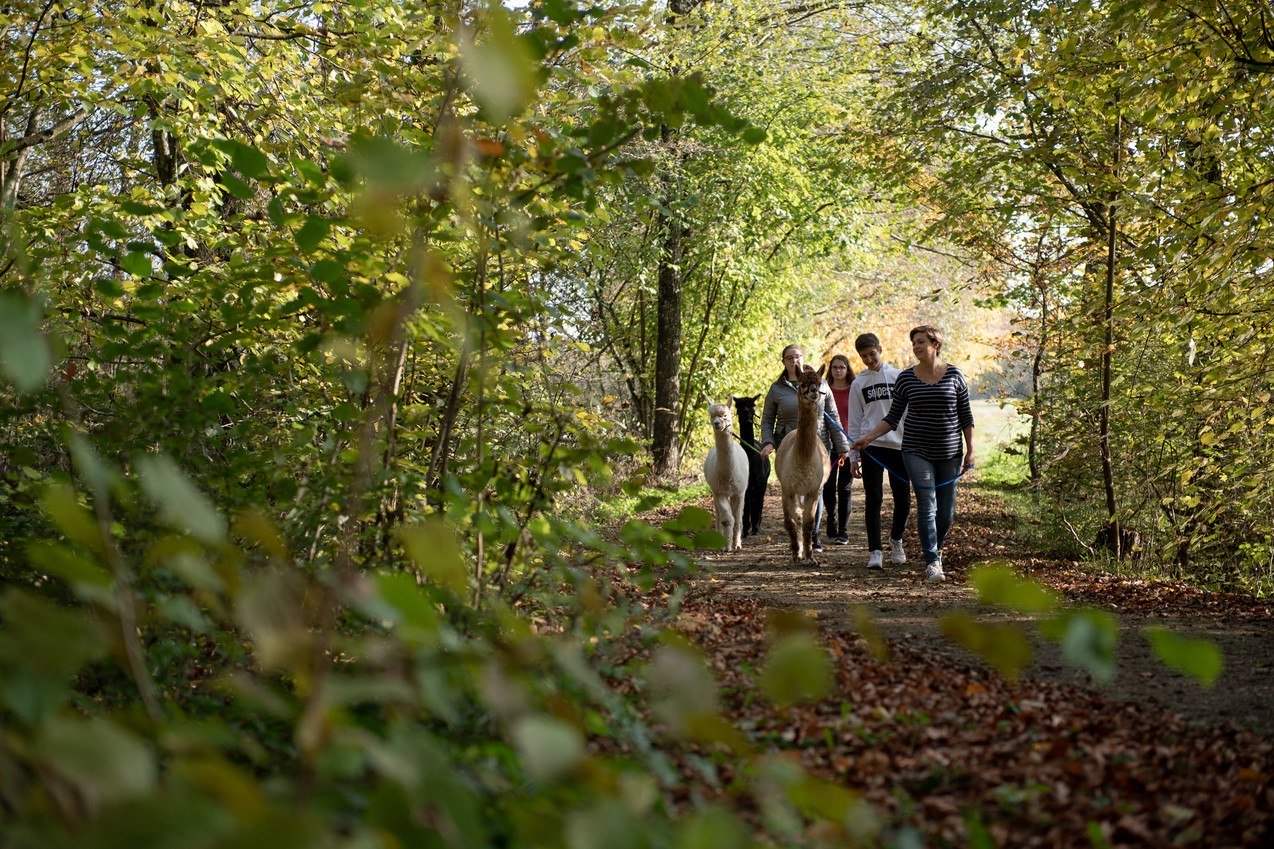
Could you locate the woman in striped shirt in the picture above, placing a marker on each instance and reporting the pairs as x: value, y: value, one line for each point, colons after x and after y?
x: 935, y: 398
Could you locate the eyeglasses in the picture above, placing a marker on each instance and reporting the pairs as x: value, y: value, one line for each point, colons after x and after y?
x: 793, y: 357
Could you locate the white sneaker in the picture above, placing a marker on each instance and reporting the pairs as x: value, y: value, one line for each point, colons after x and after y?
x: 876, y: 560
x: 896, y: 552
x: 933, y: 572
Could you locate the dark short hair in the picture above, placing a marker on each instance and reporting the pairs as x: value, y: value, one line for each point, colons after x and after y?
x: 866, y: 341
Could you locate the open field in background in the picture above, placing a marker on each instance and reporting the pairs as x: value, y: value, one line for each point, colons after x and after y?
x: 1000, y: 461
x: 996, y: 425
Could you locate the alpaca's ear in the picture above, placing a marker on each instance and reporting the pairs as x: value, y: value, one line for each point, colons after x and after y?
x: 754, y: 397
x: 822, y: 369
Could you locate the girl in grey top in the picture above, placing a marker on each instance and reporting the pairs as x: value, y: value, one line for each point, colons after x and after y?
x: 778, y: 415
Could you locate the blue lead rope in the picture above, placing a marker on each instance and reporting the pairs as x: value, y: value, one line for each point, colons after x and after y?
x: 836, y: 425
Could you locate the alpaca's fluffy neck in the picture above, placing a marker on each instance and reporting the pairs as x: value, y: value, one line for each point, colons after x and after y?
x: 806, y: 426
x: 746, y: 431
x: 722, y: 438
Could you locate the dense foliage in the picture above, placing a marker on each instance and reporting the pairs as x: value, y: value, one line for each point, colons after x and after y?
x: 323, y: 326
x: 298, y: 413
x: 1111, y: 162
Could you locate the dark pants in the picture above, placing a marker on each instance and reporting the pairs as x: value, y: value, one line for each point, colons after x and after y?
x: 874, y: 492
x: 836, y: 494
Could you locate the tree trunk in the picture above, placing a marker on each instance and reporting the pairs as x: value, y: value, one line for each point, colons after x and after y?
x: 663, y: 447
x: 1037, y: 371
x: 1107, y: 357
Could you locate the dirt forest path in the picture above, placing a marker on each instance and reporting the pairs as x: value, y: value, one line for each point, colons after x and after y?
x: 907, y: 610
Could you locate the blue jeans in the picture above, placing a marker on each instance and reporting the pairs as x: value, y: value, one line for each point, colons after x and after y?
x: 935, y: 509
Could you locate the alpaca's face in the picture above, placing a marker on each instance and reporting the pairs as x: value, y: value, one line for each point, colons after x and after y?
x: 719, y: 415
x: 809, y: 385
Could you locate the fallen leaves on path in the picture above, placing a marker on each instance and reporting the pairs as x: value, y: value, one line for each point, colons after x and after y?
x: 945, y: 748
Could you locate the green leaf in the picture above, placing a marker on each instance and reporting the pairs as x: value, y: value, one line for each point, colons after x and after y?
x: 709, y: 541
x: 59, y: 503
x: 1003, y: 646
x: 822, y: 799
x: 181, y: 504
x: 713, y: 828
x: 235, y: 186
x: 690, y: 519
x: 133, y: 207
x: 108, y: 287
x: 559, y: 11
x: 409, y: 604
x: 979, y: 836
x: 388, y: 164
x: 246, y: 159
x: 1196, y: 657
x: 312, y: 232
x: 683, y: 687
x: 499, y: 68
x: 60, y: 561
x: 99, y: 476
x: 997, y: 584
x: 270, y: 608
x: 797, y: 670
x: 24, y: 352
x: 41, y: 645
x: 1088, y: 638
x: 102, y: 761
x: 327, y: 271
x: 137, y: 264
x: 182, y: 611
x: 605, y: 825
x: 549, y: 747
x: 432, y: 547
x: 1096, y: 837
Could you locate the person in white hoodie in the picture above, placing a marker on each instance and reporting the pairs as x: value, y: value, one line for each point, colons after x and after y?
x: 870, y: 396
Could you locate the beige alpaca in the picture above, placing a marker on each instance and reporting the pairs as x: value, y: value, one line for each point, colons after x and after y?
x: 726, y: 470
x: 802, y: 465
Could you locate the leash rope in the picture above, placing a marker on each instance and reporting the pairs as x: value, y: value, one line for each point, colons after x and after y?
x: 908, y: 480
x: 841, y: 461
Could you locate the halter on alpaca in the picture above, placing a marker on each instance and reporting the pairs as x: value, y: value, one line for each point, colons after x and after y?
x: 726, y: 470
x: 803, y: 465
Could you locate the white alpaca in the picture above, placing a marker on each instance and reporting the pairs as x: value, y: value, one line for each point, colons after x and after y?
x: 726, y: 470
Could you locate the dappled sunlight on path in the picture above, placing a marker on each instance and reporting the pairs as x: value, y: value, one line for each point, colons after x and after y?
x: 908, y: 611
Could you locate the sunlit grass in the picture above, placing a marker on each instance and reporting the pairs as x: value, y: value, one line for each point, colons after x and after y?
x: 1000, y: 434
x: 620, y: 507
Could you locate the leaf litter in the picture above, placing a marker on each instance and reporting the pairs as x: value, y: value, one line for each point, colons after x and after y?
x: 939, y: 742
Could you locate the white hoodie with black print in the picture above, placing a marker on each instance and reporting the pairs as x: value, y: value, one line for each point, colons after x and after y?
x: 870, y: 396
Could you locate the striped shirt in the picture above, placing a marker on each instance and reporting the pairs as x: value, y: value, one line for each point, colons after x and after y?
x: 936, y: 414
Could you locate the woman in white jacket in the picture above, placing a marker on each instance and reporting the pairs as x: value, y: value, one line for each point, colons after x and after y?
x: 870, y: 395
